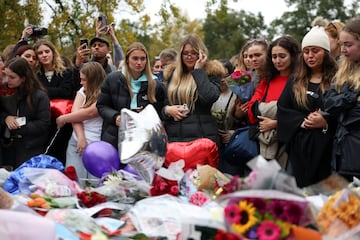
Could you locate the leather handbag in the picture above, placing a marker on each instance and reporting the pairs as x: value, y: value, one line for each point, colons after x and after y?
x: 240, y: 148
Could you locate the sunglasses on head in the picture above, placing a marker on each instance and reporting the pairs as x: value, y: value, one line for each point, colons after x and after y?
x: 257, y: 40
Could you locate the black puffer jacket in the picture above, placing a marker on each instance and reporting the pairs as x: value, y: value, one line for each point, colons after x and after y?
x: 60, y: 86
x: 115, y: 96
x: 199, y: 123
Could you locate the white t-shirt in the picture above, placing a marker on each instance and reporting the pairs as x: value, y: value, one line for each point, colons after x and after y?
x: 92, y: 127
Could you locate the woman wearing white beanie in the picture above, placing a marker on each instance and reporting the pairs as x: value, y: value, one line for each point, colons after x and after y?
x: 306, y: 130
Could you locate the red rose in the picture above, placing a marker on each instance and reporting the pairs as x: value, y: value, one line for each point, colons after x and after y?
x: 162, y: 186
x: 90, y: 199
x: 174, y: 190
x: 70, y: 172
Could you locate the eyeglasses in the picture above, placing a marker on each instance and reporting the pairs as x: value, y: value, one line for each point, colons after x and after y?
x: 191, y: 54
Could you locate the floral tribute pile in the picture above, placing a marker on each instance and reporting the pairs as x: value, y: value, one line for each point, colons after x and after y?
x: 264, y: 205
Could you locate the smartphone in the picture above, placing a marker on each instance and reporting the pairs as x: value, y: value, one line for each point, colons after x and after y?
x: 21, y: 121
x: 185, y: 109
x: 102, y: 20
x: 84, y: 40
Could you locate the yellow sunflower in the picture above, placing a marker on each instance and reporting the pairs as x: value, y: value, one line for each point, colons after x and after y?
x: 248, y: 218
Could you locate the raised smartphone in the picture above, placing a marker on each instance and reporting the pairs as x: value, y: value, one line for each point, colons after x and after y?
x: 102, y: 20
x: 84, y: 40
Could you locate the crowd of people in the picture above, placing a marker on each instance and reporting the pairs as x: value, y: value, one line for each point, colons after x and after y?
x: 301, y: 105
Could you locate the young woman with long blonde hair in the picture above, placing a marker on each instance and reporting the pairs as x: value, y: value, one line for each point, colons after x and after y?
x: 133, y: 88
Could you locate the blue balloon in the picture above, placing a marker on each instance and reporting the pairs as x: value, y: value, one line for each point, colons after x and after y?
x: 11, y: 184
x: 100, y: 158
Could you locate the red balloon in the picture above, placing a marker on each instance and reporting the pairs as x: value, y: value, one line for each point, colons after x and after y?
x: 100, y: 158
x: 201, y: 151
x: 60, y: 106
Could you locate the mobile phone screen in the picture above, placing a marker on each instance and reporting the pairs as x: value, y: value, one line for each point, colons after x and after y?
x: 102, y: 20
x: 84, y: 40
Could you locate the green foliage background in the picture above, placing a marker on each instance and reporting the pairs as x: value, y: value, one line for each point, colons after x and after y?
x: 224, y: 30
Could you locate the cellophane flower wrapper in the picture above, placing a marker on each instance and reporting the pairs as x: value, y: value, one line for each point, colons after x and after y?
x: 355, y: 186
x: 75, y: 220
x: 166, y: 215
x: 339, y: 218
x: 123, y: 186
x: 269, y: 175
x: 327, y: 186
x: 204, y: 178
x: 264, y: 175
x: 251, y: 213
x: 142, y: 144
x: 51, y: 182
x: 166, y: 180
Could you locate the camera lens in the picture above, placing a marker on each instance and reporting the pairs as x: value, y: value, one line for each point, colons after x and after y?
x: 39, y: 31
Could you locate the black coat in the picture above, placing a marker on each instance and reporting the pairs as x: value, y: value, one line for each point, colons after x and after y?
x: 309, y: 150
x: 30, y: 139
x: 115, y: 96
x: 200, y: 123
x: 60, y: 86
x: 345, y: 106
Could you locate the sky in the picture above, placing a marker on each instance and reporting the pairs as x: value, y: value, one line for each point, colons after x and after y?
x: 196, y: 8
x: 270, y: 9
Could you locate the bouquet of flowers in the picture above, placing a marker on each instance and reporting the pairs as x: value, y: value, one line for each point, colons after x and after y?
x: 240, y: 77
x: 220, y: 119
x: 254, y: 216
x: 162, y: 186
x: 90, y: 199
x: 340, y: 215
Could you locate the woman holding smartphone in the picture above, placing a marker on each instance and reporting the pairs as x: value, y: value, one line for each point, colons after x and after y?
x: 193, y: 85
x: 27, y: 129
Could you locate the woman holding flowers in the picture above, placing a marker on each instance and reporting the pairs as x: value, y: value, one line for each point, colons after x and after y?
x: 282, y: 57
x: 224, y: 111
x: 343, y: 102
x: 302, y: 123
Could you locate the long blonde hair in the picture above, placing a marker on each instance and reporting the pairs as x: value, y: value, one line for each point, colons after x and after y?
x: 147, y: 71
x: 95, y: 75
x: 57, y: 63
x: 349, y: 71
x: 182, y: 88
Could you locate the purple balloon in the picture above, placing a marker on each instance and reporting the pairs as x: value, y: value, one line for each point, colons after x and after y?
x: 100, y: 157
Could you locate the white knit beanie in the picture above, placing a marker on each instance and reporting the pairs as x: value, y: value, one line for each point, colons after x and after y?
x: 316, y: 37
